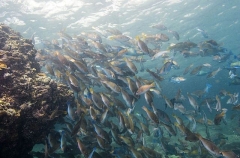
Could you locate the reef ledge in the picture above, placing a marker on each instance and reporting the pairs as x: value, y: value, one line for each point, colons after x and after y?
x: 28, y: 97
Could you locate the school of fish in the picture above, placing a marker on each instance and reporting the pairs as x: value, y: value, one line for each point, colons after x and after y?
x: 118, y: 112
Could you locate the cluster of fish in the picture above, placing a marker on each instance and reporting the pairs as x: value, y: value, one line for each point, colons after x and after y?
x: 103, y: 120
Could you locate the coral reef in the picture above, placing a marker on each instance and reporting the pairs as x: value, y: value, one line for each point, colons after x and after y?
x: 27, y: 96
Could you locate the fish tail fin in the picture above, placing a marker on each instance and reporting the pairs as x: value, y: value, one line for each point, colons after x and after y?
x: 90, y: 90
x: 223, y: 114
x: 234, y: 57
x: 144, y: 36
x: 153, y: 84
x: 68, y: 102
x: 137, y: 38
x: 111, y: 37
x: 208, y: 86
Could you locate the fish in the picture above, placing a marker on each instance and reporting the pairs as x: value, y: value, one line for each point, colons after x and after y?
x: 46, y: 147
x: 116, y: 69
x: 218, y: 105
x: 120, y: 38
x: 131, y: 66
x: 135, y: 153
x: 132, y: 86
x: 144, y: 88
x: 175, y: 34
x: 91, y: 154
x: 102, y: 133
x: 225, y: 57
x: 177, y: 79
x: 209, y: 107
x: 159, y: 54
x: 82, y: 67
x: 106, y: 100
x: 153, y: 39
x: 207, y: 131
x: 180, y: 107
x: 53, y: 143
x: 207, y: 65
x: 210, y: 146
x: 232, y: 74
x: 71, y: 112
x: 169, y: 128
x: 196, y: 70
x: 83, y: 148
x: 162, y: 116
x: 102, y: 143
x: 159, y: 27
x: 208, y: 86
x: 121, y: 52
x: 220, y: 116
x: 104, y: 116
x: 166, y: 67
x: 150, y: 152
x: 127, y: 140
x: 138, y: 82
x: 127, y: 98
x: 228, y: 154
x: 114, y: 31
x: 182, y: 46
x: 182, y: 128
x: 93, y: 36
x: 237, y: 107
x: 179, y: 97
x: 77, y: 126
x: 115, y: 136
x: 131, y: 124
x: 63, y: 140
x: 203, y: 32
x: 145, y: 129
x: 142, y: 46
x: 49, y: 69
x: 194, y: 125
x: 233, y: 64
x: 155, y: 75
x: 149, y: 98
x: 193, y: 102
x: 151, y: 115
x: 73, y: 80
x: 178, y: 119
x: 186, y: 70
x: 213, y: 73
x: 114, y: 87
x: 168, y: 102
x: 202, y: 73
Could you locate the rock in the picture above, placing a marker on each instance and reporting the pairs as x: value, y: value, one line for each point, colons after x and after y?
x: 27, y: 96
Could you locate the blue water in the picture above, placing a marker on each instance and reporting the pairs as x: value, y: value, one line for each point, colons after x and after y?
x: 218, y: 18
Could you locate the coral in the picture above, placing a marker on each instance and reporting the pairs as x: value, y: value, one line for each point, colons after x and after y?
x: 27, y: 96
